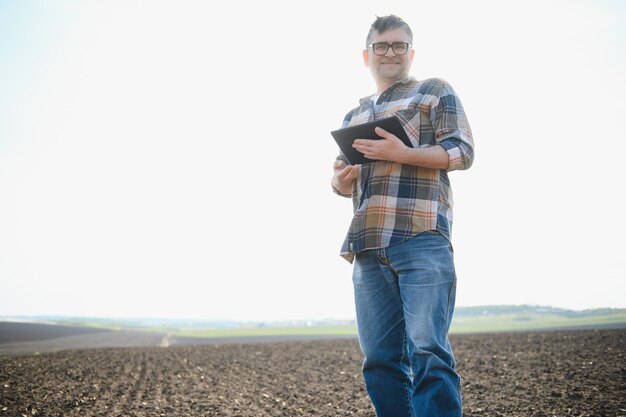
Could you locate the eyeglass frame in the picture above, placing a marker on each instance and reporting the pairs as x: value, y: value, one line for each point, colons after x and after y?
x: 390, y: 45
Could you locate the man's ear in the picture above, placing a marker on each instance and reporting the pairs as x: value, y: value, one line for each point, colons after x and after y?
x: 366, y: 57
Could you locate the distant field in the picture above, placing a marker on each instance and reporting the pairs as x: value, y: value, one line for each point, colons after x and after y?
x: 516, y: 322
x: 479, y: 324
x: 343, y: 329
x: 479, y: 319
x: 23, y: 338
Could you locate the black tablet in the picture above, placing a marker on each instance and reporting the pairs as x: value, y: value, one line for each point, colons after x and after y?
x: 344, y: 137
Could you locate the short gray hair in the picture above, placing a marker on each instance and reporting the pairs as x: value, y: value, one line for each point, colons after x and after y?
x: 384, y: 23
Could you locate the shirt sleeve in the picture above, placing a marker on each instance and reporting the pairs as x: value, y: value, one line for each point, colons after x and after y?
x: 460, y: 153
x: 452, y: 130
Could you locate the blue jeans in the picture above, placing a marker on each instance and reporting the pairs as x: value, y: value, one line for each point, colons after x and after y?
x: 404, y: 297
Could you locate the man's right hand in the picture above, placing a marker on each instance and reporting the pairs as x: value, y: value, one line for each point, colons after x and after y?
x: 344, y: 176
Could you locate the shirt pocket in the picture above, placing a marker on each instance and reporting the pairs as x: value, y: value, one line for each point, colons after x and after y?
x: 416, y: 120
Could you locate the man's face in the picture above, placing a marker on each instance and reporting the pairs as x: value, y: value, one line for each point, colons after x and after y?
x: 390, y: 67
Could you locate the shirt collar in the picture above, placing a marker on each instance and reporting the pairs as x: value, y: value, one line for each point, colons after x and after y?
x: 403, y: 81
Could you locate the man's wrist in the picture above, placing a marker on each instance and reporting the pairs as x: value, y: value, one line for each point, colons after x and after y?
x: 338, y: 191
x: 405, y: 156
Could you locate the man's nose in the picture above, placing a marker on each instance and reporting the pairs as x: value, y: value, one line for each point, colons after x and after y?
x: 390, y: 53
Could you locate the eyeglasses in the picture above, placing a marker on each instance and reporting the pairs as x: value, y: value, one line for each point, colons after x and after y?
x: 398, y: 48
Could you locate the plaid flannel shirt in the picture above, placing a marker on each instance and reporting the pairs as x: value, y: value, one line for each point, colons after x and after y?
x: 394, y: 202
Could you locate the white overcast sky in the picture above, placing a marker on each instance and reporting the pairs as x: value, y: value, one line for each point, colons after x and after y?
x: 173, y: 158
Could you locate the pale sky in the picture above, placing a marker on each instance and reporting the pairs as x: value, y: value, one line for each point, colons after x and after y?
x: 173, y: 158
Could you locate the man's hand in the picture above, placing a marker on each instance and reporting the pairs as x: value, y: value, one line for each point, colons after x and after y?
x: 389, y: 148
x: 344, y: 176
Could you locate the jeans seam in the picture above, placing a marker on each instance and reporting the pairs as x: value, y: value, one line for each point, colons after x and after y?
x: 407, y: 380
x: 452, y: 288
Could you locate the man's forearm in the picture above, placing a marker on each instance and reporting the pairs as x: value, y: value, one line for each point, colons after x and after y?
x: 434, y: 157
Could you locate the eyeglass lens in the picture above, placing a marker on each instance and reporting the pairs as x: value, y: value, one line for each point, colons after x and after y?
x: 398, y: 48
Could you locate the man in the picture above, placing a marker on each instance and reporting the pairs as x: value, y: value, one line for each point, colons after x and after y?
x: 399, y: 238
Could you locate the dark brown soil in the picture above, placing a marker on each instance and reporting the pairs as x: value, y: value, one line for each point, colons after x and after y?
x: 566, y: 373
x: 31, y: 338
x: 30, y: 332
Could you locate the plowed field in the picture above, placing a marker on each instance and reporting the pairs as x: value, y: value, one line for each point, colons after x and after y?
x: 564, y: 373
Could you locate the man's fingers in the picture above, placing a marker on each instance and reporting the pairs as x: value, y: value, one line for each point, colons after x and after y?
x: 382, y: 132
x: 339, y: 164
x: 349, y: 172
x: 359, y: 144
x: 365, y: 143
